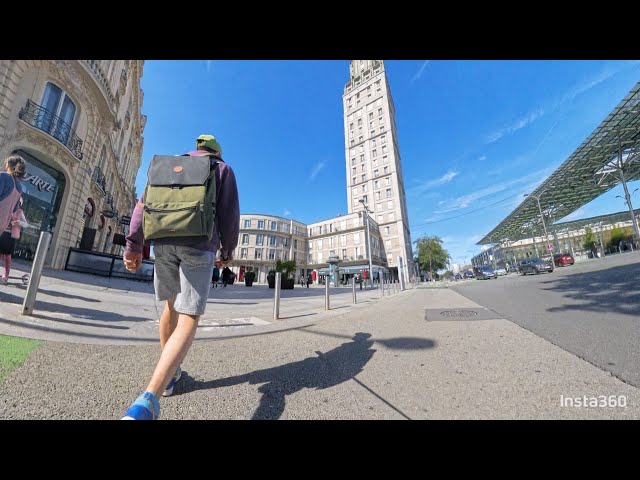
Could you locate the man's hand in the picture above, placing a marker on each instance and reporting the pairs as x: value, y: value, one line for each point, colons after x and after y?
x: 225, y: 261
x: 132, y: 261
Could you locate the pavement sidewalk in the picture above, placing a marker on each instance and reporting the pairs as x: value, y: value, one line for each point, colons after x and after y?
x: 419, y: 354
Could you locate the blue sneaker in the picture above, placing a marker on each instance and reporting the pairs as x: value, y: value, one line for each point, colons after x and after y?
x: 169, y: 390
x: 146, y: 407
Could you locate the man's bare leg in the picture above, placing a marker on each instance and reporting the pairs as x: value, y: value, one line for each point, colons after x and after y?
x: 168, y: 322
x: 173, y: 352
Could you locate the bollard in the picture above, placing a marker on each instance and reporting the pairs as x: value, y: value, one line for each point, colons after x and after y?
x: 326, y: 293
x: 353, y: 291
x: 382, y: 287
x: 36, y: 273
x: 276, y: 297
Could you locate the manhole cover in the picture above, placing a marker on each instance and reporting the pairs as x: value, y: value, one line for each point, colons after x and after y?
x: 458, y: 313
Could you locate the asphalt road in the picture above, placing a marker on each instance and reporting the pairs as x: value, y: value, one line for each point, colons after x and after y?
x: 591, y: 309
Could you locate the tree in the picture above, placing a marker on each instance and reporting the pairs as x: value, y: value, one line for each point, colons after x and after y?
x: 431, y: 255
x: 589, y: 239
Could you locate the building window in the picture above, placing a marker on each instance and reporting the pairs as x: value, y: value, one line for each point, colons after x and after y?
x: 360, y: 139
x: 295, y: 243
x: 355, y: 191
x: 319, y: 257
x: 274, y: 226
x: 376, y: 172
x: 343, y: 224
x: 389, y: 204
x: 365, y: 199
x: 381, y: 127
x: 386, y: 231
x: 259, y: 239
x: 374, y: 153
x: 363, y: 167
x: 378, y: 195
x: 376, y: 184
x: 272, y: 254
x: 257, y: 255
x: 388, y: 193
x: 385, y: 159
x: 359, y: 120
x: 272, y: 240
x: 353, y: 170
x: 386, y: 169
x: 247, y: 224
x: 261, y: 224
x: 364, y: 177
x: 351, y: 126
x: 331, y: 242
x: 245, y: 239
x: 388, y: 181
x: 243, y: 253
x: 55, y: 101
x: 384, y: 149
x: 319, y: 244
x: 353, y: 161
x: 356, y: 238
x: 344, y: 253
x: 362, y: 158
x: 353, y: 180
x: 383, y: 139
x: 343, y: 240
x: 358, y: 256
x: 364, y: 187
x: 379, y: 111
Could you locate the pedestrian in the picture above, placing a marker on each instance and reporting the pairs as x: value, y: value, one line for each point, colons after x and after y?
x: 10, y: 188
x: 216, y: 276
x: 182, y: 274
x: 9, y: 237
x: 227, y: 276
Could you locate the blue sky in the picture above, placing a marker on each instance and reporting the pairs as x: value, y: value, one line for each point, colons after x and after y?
x: 471, y: 133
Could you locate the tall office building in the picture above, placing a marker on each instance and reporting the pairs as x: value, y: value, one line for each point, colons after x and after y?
x: 374, y: 168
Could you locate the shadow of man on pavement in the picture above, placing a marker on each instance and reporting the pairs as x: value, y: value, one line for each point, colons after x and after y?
x: 326, y: 370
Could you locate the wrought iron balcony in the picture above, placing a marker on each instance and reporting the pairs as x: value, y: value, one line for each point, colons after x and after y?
x: 41, y: 118
x: 99, y: 179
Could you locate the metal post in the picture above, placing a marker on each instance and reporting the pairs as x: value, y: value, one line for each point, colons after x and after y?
x: 276, y: 297
x: 326, y: 293
x: 544, y: 225
x: 36, y: 273
x: 401, y: 273
x: 369, y: 249
x: 353, y: 291
x: 634, y: 221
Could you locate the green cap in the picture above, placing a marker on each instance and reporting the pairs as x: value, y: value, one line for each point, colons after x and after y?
x: 208, y: 141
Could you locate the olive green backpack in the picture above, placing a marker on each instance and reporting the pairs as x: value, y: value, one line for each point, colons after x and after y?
x: 180, y: 197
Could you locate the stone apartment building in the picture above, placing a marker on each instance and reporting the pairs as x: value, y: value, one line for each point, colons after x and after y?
x: 78, y: 125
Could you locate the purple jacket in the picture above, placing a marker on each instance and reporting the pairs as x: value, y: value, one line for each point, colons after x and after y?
x: 225, y: 228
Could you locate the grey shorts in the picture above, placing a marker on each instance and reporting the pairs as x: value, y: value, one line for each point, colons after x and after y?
x: 183, y: 273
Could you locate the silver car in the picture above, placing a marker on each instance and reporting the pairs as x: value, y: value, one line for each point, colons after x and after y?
x: 535, y: 265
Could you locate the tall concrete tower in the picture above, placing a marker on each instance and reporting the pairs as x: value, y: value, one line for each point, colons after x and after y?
x: 374, y: 169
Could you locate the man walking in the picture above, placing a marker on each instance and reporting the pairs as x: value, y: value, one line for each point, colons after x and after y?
x: 182, y: 278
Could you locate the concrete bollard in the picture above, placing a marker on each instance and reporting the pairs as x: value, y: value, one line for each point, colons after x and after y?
x: 353, y: 292
x: 36, y: 273
x: 326, y: 293
x: 276, y: 297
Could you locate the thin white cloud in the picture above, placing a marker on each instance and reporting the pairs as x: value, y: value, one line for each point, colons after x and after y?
x: 209, y: 64
x: 465, y: 201
x: 286, y: 213
x: 578, y: 213
x: 429, y: 184
x: 420, y: 71
x: 316, y: 170
x: 522, y: 122
x: 482, y: 158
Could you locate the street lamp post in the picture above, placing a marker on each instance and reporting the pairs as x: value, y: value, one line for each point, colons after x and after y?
x: 366, y: 209
x: 544, y: 225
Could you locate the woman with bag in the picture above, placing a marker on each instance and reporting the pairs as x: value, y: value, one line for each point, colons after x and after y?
x: 9, y: 237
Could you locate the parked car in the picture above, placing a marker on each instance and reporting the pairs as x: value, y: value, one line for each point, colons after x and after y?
x: 484, y: 272
x: 500, y: 271
x: 535, y: 265
x: 458, y: 276
x: 562, y: 259
x: 468, y: 274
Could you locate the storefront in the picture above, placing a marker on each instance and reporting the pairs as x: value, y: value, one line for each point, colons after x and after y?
x: 43, y: 188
